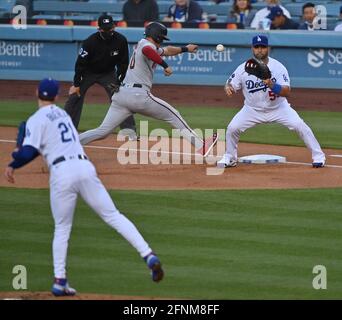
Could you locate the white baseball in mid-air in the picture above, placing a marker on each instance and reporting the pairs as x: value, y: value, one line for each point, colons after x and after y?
x: 220, y: 47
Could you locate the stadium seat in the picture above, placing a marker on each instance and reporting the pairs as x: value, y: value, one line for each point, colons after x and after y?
x: 47, y: 16
x: 76, y: 7
x: 6, y: 6
x: 79, y: 17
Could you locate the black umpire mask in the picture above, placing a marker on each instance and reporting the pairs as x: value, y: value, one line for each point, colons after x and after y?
x: 106, y: 34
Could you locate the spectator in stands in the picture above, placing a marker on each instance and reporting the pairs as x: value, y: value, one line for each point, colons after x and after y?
x: 242, y: 12
x: 140, y: 10
x: 339, y: 25
x: 279, y: 21
x: 185, y: 11
x: 309, y: 14
x: 260, y: 20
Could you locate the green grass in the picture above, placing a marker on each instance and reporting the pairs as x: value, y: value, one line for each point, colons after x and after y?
x: 326, y: 125
x: 214, y: 244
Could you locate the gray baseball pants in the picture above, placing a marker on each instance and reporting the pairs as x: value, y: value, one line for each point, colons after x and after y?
x: 74, y: 104
x: 139, y: 100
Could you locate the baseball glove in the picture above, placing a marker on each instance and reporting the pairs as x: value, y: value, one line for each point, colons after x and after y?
x: 258, y: 68
x: 21, y: 134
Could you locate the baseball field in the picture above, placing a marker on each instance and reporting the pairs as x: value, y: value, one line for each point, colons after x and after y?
x: 254, y: 232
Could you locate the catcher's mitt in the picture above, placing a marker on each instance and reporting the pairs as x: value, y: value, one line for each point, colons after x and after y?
x: 258, y: 69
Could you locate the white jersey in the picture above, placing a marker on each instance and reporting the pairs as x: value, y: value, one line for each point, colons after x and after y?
x: 141, y: 68
x: 50, y: 130
x: 257, y: 95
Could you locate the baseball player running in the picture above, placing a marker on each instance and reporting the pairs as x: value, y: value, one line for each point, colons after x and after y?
x: 135, y: 96
x: 50, y: 132
x: 265, y: 102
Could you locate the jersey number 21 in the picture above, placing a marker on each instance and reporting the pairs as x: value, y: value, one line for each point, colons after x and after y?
x: 67, y: 134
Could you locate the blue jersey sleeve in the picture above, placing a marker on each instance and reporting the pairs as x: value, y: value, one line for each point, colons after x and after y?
x: 23, y: 156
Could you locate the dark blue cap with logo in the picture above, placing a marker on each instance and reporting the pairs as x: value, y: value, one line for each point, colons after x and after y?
x: 48, y: 89
x: 275, y: 11
x: 260, y: 40
x: 105, y: 22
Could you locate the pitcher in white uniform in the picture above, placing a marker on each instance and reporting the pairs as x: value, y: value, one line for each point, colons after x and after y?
x: 265, y: 102
x: 135, y: 96
x: 51, y: 133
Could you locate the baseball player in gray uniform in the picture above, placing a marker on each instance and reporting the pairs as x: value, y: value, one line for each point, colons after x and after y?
x: 265, y: 102
x: 50, y: 132
x: 135, y: 96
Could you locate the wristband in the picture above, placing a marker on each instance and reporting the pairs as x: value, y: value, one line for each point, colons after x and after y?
x: 276, y: 88
x: 164, y: 64
x: 184, y: 49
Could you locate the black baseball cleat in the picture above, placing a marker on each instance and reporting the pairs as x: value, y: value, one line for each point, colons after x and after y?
x: 318, y: 164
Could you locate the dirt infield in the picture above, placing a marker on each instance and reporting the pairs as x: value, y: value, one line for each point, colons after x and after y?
x: 300, y: 99
x: 104, y: 154
x: 189, y: 174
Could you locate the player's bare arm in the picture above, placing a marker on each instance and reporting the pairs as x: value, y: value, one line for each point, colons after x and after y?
x: 284, y: 91
x: 229, y: 90
x: 173, y: 51
x: 73, y: 90
x: 9, y: 174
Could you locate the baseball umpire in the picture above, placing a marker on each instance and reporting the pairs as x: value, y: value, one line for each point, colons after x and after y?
x: 102, y: 59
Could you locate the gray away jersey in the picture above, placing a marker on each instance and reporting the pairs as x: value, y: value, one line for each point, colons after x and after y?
x: 141, y: 68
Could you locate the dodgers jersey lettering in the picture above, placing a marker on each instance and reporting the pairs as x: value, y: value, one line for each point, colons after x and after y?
x: 51, y: 132
x: 141, y: 68
x: 257, y: 95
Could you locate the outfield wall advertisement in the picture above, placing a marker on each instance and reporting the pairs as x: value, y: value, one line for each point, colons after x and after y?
x: 308, y: 67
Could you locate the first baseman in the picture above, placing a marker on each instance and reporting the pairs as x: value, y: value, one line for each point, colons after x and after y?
x: 51, y: 133
x: 265, y: 102
x: 135, y: 96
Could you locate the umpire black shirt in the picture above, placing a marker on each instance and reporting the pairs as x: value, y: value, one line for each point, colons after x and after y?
x: 102, y: 56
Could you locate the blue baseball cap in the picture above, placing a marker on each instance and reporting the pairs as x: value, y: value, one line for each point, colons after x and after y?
x: 260, y: 40
x: 48, y: 89
x: 275, y: 11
